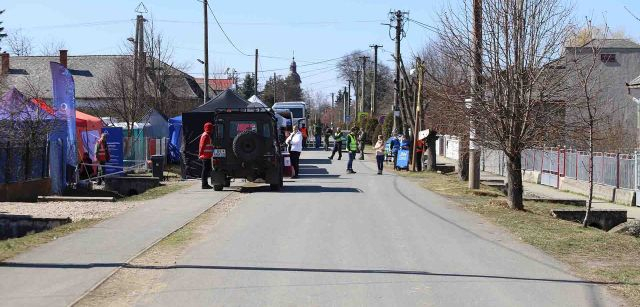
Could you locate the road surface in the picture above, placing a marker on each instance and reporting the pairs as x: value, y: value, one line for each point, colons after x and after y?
x: 332, y: 239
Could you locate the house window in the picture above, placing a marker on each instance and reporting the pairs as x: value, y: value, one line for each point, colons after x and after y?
x: 608, y: 57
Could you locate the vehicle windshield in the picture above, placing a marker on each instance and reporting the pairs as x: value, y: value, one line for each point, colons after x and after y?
x: 236, y: 127
x: 295, y: 112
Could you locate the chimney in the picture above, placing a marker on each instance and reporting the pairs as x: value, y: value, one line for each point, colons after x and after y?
x: 63, y: 57
x: 5, y: 63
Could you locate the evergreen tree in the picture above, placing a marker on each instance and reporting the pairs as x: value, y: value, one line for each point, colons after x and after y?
x: 248, y: 87
x: 2, y: 33
x: 267, y: 93
x: 293, y: 89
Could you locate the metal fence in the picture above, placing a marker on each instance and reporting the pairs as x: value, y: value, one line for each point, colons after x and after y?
x: 611, y: 169
x: 22, y: 162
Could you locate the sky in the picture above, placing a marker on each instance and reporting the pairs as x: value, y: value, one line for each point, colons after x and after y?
x: 312, y: 30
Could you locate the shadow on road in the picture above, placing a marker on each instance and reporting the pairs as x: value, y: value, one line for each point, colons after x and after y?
x: 293, y: 269
x: 314, y: 161
x: 301, y: 189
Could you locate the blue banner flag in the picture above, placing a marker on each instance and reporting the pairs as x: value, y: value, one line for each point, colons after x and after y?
x: 64, y: 104
x: 115, y: 146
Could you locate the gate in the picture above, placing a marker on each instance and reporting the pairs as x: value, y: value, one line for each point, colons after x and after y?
x: 552, y: 167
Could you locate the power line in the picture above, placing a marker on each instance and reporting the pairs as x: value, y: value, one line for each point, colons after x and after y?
x: 292, y: 23
x: 426, y: 26
x: 225, y: 33
x: 81, y: 24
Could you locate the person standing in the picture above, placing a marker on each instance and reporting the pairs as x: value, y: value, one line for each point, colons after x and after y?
x: 327, y: 135
x: 317, y: 133
x: 352, y: 148
x: 102, y: 155
x: 379, y: 147
x: 395, y: 147
x: 337, y: 144
x: 205, y: 153
x: 295, y: 141
x: 419, y: 152
x: 362, y: 137
x: 305, y: 135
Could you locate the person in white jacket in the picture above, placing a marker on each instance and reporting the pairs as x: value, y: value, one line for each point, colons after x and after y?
x: 295, y: 148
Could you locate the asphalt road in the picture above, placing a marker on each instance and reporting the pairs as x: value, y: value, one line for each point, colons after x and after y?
x: 331, y: 239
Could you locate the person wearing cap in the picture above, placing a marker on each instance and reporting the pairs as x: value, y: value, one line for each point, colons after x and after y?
x: 205, y: 153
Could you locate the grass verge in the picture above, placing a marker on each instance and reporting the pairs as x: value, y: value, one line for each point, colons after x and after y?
x: 156, y: 192
x: 12, y: 247
x: 593, y: 254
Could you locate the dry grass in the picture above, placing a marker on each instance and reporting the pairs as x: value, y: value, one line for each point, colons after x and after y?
x: 592, y: 253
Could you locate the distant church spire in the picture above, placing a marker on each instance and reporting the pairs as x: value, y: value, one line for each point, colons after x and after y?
x: 293, y: 70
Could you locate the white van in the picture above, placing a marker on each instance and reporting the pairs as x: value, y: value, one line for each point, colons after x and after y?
x: 298, y: 111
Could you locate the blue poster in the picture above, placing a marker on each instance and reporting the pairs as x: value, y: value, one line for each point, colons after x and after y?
x: 116, y: 150
x: 64, y: 104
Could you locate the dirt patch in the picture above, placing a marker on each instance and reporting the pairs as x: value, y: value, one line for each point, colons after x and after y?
x: 134, y: 282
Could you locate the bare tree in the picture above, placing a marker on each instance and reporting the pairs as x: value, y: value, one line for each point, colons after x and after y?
x: 520, y: 40
x: 590, y: 109
x: 52, y: 48
x: 19, y: 44
x: 118, y: 85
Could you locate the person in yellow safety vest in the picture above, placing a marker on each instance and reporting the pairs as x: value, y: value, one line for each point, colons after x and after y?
x: 352, y: 148
x: 102, y: 155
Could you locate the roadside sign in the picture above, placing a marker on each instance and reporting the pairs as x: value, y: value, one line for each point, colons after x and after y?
x: 115, y: 139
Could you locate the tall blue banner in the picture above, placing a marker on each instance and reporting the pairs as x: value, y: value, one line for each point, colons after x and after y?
x: 115, y: 140
x: 64, y: 104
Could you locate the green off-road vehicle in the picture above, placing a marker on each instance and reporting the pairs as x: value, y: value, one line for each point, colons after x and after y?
x: 246, y: 145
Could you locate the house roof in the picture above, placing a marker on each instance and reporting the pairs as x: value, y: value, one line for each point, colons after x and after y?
x: 217, y: 84
x: 611, y: 43
x: 32, y: 74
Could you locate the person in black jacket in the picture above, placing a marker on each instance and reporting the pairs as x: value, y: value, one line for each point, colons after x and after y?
x: 327, y: 135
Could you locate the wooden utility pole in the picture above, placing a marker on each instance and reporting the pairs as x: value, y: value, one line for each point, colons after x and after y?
x: 474, y: 152
x: 138, y: 60
x: 399, y: 16
x: 344, y: 106
x: 362, y: 102
x: 356, y: 88
x: 416, y: 127
x: 349, y: 99
x: 275, y: 88
x: 206, y: 50
x: 256, y: 74
x: 375, y: 78
x: 333, y: 110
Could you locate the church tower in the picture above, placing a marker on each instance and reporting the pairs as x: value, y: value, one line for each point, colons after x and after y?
x: 293, y: 71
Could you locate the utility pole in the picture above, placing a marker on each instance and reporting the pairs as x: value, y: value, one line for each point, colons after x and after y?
x: 416, y: 127
x: 375, y: 78
x: 139, y: 60
x: 474, y: 153
x: 206, y: 50
x: 398, y: 16
x: 349, y: 99
x: 356, y: 88
x: 344, y: 106
x: 256, y: 74
x: 362, y: 86
x: 275, y: 88
x: 333, y: 110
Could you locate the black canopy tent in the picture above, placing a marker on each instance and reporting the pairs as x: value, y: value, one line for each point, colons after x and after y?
x: 193, y: 125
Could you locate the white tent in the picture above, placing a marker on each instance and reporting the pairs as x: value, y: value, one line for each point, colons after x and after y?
x: 255, y: 99
x: 282, y: 122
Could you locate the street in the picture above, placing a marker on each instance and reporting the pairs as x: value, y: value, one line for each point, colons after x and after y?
x: 360, y: 240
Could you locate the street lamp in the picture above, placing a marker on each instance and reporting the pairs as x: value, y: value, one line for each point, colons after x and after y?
x: 205, y: 86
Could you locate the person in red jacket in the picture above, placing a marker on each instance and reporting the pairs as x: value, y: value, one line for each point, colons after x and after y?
x: 205, y: 153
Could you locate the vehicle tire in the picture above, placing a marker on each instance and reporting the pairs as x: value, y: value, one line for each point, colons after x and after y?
x: 218, y: 187
x: 275, y: 186
x: 248, y: 146
x: 227, y: 183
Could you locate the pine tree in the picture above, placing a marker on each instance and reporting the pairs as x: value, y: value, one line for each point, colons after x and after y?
x: 2, y: 33
x: 293, y: 89
x: 248, y: 87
